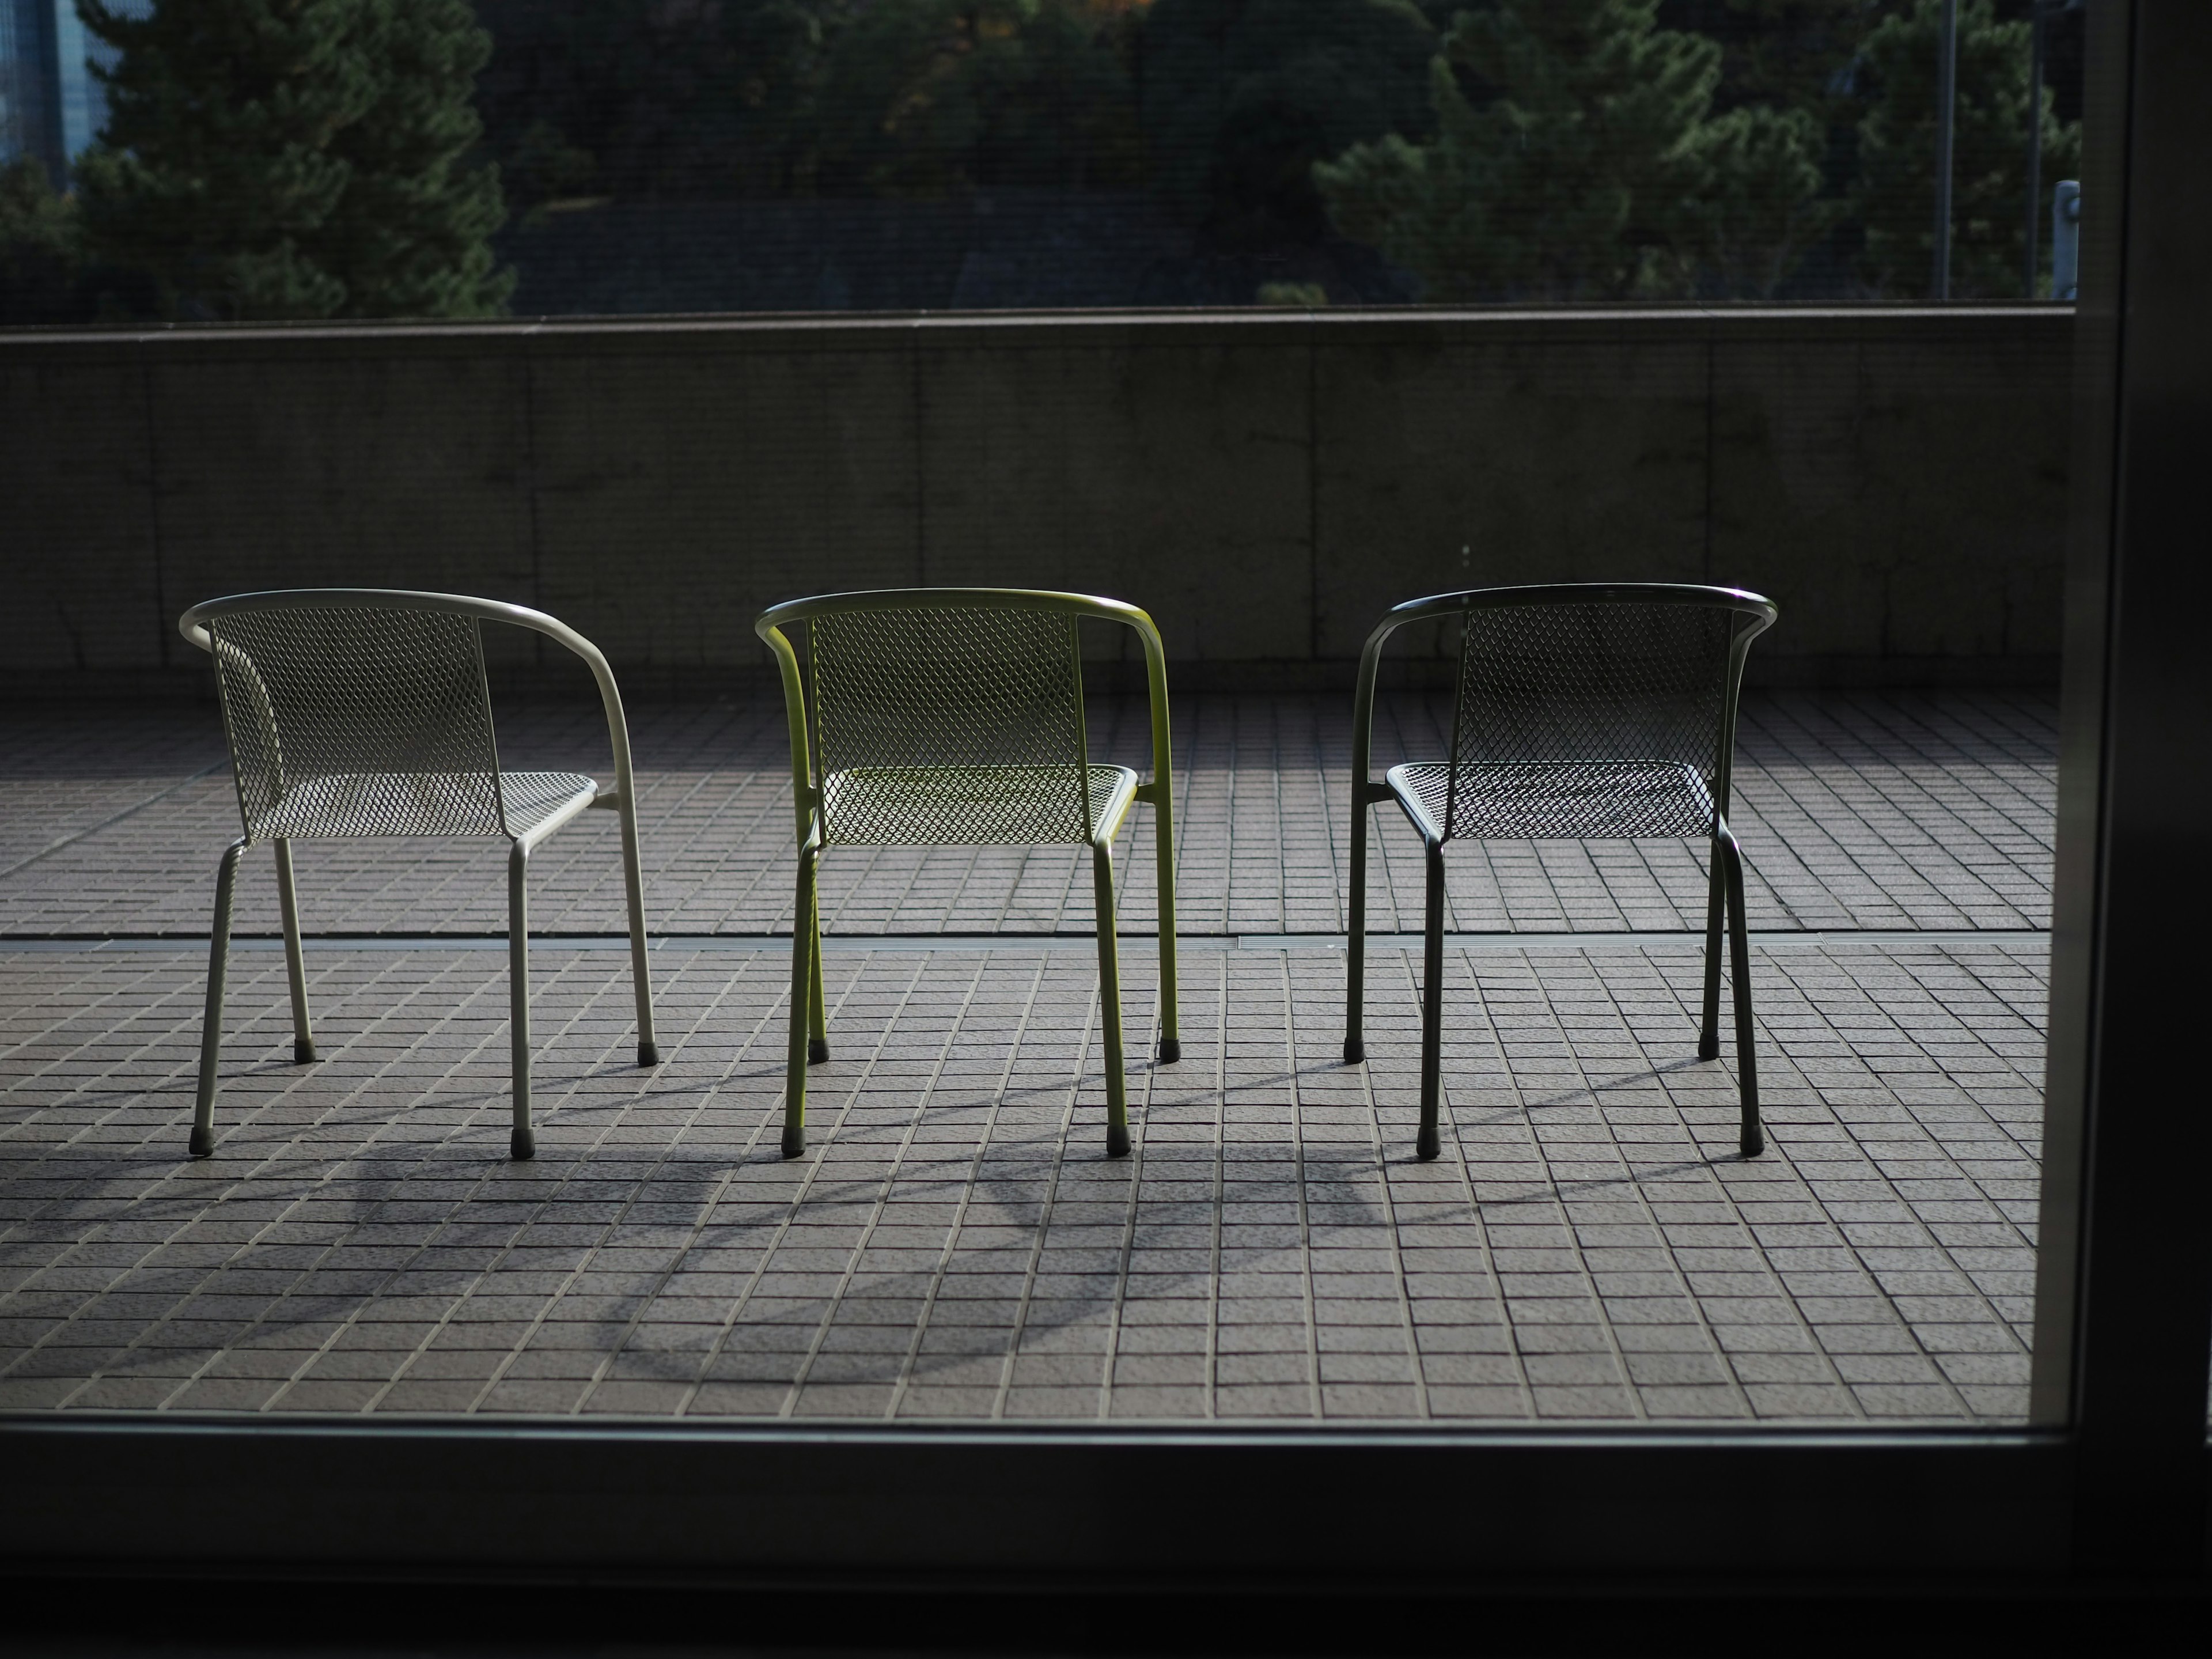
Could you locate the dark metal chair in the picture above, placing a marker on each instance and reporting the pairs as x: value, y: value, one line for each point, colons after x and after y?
x: 1583, y: 710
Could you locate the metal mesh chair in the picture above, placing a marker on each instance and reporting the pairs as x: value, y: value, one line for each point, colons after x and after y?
x: 1583, y: 710
x: 364, y: 712
x: 953, y: 716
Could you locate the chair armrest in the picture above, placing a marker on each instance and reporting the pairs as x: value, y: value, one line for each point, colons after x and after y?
x: 193, y: 626
x: 803, y: 791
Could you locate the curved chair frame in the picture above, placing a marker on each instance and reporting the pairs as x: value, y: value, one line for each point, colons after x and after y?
x: 1725, y: 887
x: 622, y: 799
x: 810, y: 1033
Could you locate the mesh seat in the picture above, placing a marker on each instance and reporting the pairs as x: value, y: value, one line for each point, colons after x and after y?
x: 347, y: 803
x: 1584, y: 711
x: 970, y: 805
x: 954, y: 717
x: 361, y: 712
x: 1571, y: 800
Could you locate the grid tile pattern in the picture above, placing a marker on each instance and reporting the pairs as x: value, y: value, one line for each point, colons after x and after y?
x: 958, y: 1247
x: 1886, y: 811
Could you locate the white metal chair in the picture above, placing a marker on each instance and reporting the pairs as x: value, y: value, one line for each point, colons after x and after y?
x: 365, y: 712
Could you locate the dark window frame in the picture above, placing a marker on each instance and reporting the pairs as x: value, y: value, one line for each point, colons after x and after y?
x: 2113, y: 1480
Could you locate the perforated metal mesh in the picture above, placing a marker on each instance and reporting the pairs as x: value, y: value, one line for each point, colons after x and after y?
x: 1585, y: 719
x: 533, y: 797
x: 952, y: 727
x: 362, y: 721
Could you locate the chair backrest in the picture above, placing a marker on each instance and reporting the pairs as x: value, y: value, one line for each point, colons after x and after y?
x: 955, y: 690
x: 1586, y: 699
x: 378, y: 711
x: 927, y: 716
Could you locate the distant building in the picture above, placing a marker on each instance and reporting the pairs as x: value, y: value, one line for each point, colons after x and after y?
x: 51, y: 104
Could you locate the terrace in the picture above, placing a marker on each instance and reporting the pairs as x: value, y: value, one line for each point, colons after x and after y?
x: 956, y: 1246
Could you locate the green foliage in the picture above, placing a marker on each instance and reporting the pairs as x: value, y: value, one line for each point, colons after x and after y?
x: 1240, y: 98
x: 636, y: 99
x: 319, y: 158
x: 1790, y: 54
x: 1895, y: 193
x: 41, y: 248
x: 925, y: 97
x: 34, y: 220
x: 544, y: 167
x: 273, y: 158
x: 640, y: 100
x: 1575, y: 158
x: 1758, y: 210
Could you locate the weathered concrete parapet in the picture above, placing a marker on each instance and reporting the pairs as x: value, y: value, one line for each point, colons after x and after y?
x: 1264, y: 482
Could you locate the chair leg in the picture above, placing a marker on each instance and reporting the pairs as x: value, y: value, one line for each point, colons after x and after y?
x: 1752, y: 1139
x: 226, y: 883
x: 1709, y: 1033
x: 648, y: 1050
x: 1355, y: 937
x: 522, y: 1143
x: 1433, y: 1007
x: 295, y: 964
x: 1109, y: 1004
x: 806, y: 949
x: 818, y: 1041
x: 1163, y: 861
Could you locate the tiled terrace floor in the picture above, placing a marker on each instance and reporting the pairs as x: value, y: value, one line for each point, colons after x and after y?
x: 1856, y: 812
x: 956, y: 1245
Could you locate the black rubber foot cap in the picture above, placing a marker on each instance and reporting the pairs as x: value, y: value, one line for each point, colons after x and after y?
x: 522, y: 1144
x: 1171, y: 1050
x: 817, y: 1051
x: 1427, y: 1145
x: 1117, y: 1140
x: 648, y: 1054
x: 203, y: 1142
x: 794, y: 1141
x: 1355, y: 1050
x: 1709, y: 1047
x: 302, y: 1052
x: 1753, y: 1143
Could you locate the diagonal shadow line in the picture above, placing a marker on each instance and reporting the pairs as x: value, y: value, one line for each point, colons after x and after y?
x: 112, y: 819
x: 1590, y: 1091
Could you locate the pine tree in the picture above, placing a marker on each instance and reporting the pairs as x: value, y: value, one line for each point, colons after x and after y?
x: 932, y: 97
x: 1758, y: 210
x: 272, y: 159
x: 1895, y: 195
x: 640, y: 100
x: 1557, y: 178
x: 1240, y: 98
x: 41, y: 251
x: 1786, y: 54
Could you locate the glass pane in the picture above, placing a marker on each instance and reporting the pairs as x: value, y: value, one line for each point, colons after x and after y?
x: 604, y: 156
x: 1589, y: 1244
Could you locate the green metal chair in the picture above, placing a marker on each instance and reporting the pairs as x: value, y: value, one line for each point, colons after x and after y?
x: 354, y: 711
x: 953, y: 716
x: 1594, y: 710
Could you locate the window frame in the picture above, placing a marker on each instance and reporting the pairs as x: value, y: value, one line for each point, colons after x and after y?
x: 2112, y: 1478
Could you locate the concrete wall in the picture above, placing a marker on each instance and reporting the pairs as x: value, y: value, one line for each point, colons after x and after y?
x: 1265, y: 484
